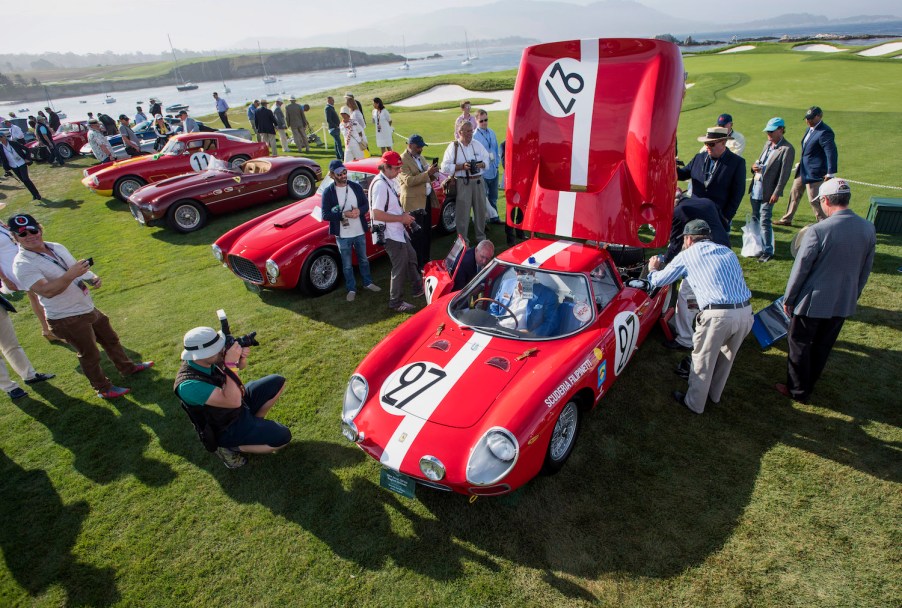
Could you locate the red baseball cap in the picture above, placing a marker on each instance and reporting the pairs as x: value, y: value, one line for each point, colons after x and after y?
x: 392, y: 159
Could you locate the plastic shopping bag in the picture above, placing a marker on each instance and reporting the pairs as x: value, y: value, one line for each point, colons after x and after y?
x: 752, y: 243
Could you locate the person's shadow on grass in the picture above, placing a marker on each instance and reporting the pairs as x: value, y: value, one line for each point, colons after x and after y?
x: 105, y: 446
x: 37, y: 537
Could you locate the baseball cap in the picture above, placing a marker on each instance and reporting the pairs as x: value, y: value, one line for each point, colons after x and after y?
x: 21, y: 221
x: 837, y: 185
x: 292, y: 98
x: 773, y: 124
x: 723, y: 120
x: 202, y: 342
x: 392, y: 159
x: 417, y: 140
x: 696, y: 228
x: 157, y: 116
x: 336, y: 165
x: 813, y: 111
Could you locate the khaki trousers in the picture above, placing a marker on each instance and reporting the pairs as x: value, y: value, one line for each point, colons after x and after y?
x: 470, y: 195
x: 718, y: 336
x: 283, y: 139
x: 12, y: 352
x: 270, y: 140
x: 795, y: 197
x: 300, y: 138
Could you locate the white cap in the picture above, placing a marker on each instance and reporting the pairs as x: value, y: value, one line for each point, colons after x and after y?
x: 202, y: 342
x: 345, y: 110
x: 837, y: 185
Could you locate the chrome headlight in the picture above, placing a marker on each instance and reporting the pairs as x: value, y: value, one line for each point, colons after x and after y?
x: 432, y: 468
x: 272, y: 271
x: 349, y: 430
x: 217, y: 253
x: 355, y: 396
x: 493, y: 457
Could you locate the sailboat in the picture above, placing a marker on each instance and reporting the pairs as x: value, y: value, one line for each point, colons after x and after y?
x: 267, y: 79
x: 467, y: 43
x: 185, y: 86
x: 225, y: 87
x: 351, y: 73
x: 50, y: 105
x: 404, y: 66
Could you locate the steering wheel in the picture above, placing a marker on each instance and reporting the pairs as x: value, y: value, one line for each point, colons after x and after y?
x: 509, y: 312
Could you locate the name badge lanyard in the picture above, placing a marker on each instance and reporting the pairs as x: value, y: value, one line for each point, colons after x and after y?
x: 58, y: 261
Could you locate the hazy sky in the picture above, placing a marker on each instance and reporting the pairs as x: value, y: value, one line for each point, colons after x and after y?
x: 75, y: 25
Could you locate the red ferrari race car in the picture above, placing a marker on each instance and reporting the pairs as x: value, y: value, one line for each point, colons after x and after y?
x: 185, y: 201
x: 68, y: 139
x: 183, y: 154
x: 485, y: 388
x: 291, y: 247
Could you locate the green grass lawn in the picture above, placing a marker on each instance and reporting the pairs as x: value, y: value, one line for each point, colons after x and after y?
x: 758, y: 502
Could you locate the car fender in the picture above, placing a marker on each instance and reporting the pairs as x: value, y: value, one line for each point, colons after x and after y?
x: 291, y: 257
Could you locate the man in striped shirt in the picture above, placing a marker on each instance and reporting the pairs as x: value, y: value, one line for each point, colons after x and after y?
x: 725, y: 319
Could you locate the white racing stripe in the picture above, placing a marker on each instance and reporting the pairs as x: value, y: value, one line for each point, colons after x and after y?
x: 405, y: 435
x: 582, y: 119
x: 566, y: 209
x: 546, y: 253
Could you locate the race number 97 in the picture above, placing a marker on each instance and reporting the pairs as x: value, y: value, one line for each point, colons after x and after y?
x: 561, y: 86
x: 408, y: 383
x: 626, y: 332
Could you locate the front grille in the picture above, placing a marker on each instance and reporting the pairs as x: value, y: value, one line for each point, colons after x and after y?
x: 245, y: 269
x: 136, y: 213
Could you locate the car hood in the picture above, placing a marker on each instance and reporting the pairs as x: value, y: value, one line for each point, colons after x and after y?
x: 471, y: 370
x: 180, y: 182
x: 290, y: 223
x: 592, y: 140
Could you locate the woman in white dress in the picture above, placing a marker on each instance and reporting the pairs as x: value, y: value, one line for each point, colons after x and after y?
x: 356, y: 112
x: 353, y: 136
x: 8, y: 251
x: 384, y: 129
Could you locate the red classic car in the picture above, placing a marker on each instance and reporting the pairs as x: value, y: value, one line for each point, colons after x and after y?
x: 486, y: 387
x: 185, y: 201
x: 291, y: 247
x: 183, y: 154
x: 68, y: 139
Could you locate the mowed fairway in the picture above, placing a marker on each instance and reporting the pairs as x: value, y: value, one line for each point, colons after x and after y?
x: 757, y: 502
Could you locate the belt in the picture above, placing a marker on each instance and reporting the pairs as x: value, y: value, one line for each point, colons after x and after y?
x: 727, y: 306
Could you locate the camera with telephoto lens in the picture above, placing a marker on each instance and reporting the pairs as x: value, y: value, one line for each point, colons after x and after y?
x: 379, y: 234
x: 474, y: 169
x: 243, y: 341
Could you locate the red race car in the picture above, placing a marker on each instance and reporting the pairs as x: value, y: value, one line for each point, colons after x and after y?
x: 68, y: 139
x: 183, y: 154
x: 185, y: 201
x: 485, y: 388
x: 291, y: 247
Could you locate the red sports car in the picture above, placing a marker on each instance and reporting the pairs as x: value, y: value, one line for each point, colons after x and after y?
x: 486, y: 387
x: 291, y: 247
x: 185, y: 201
x: 68, y: 139
x: 183, y: 154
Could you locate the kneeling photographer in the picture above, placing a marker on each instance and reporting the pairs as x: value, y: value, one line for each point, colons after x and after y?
x: 229, y: 415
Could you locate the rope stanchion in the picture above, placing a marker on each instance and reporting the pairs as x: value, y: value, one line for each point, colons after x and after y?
x: 435, y: 143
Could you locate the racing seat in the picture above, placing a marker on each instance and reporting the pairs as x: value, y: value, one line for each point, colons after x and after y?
x: 566, y: 321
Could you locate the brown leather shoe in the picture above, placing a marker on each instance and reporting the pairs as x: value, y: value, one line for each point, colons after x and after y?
x: 783, y: 223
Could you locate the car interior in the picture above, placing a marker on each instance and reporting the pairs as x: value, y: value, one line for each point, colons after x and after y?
x: 256, y: 166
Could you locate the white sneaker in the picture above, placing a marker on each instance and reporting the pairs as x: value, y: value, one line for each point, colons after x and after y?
x: 372, y: 287
x: 351, y: 295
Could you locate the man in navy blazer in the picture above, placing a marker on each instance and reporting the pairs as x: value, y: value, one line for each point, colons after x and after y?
x: 717, y: 174
x: 818, y: 163
x: 827, y: 278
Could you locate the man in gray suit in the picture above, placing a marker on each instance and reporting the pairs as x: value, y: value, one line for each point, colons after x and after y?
x: 770, y: 173
x: 829, y: 274
x: 297, y: 122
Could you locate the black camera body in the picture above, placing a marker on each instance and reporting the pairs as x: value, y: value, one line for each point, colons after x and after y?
x: 379, y: 234
x: 249, y: 339
x: 473, y: 170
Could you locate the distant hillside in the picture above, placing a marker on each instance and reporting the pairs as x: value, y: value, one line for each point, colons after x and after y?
x: 81, y: 81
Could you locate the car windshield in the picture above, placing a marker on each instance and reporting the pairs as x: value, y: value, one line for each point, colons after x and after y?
x: 67, y: 127
x: 143, y: 126
x: 361, y: 178
x: 524, y: 303
x: 173, y: 148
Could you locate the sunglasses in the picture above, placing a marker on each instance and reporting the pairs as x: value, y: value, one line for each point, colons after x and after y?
x: 711, y: 144
x: 341, y: 174
x: 483, y: 120
x: 25, y: 231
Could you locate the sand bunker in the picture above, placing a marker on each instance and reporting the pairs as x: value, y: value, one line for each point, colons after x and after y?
x: 738, y: 49
x: 817, y: 48
x: 453, y: 92
x: 883, y: 49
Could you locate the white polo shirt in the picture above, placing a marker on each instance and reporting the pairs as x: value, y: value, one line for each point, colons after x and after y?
x: 30, y: 267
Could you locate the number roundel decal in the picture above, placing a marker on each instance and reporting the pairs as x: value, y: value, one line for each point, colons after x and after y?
x: 626, y: 331
x: 405, y: 386
x: 200, y: 161
x: 430, y: 285
x: 560, y: 87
